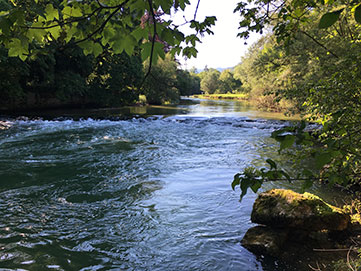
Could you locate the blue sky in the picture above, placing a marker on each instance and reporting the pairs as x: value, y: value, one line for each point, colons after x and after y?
x: 223, y: 49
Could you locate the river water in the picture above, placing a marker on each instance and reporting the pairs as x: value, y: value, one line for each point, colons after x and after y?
x: 147, y: 193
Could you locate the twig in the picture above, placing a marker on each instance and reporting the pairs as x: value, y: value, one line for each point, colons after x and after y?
x: 348, y: 260
x: 65, y: 22
x: 195, y: 13
x: 320, y: 44
x: 101, y: 27
x: 153, y: 41
x: 315, y: 269
x: 334, y: 249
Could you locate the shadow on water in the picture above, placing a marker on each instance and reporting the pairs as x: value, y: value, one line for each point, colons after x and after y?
x: 120, y: 113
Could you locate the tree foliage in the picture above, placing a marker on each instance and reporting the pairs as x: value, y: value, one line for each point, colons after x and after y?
x: 116, y: 25
x: 312, y: 59
x: 216, y: 82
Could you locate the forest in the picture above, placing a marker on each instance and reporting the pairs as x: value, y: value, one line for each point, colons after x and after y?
x: 96, y: 54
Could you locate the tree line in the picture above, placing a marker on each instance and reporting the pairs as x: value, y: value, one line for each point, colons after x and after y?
x: 62, y: 78
x: 44, y: 65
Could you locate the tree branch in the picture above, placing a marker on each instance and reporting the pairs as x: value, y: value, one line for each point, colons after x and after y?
x: 195, y: 13
x: 153, y: 41
x: 101, y: 27
x: 74, y: 20
x: 318, y: 43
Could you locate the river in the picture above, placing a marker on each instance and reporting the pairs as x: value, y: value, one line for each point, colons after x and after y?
x: 151, y: 192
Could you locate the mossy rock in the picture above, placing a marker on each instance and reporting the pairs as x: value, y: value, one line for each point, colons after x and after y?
x: 279, y: 208
x: 262, y: 240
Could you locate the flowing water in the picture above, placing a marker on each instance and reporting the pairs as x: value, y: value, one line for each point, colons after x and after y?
x: 149, y: 193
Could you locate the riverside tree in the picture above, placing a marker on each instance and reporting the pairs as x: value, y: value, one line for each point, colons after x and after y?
x: 317, y: 67
x: 115, y: 25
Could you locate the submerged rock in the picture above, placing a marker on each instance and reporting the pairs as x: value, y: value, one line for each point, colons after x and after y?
x: 279, y: 208
x: 264, y: 240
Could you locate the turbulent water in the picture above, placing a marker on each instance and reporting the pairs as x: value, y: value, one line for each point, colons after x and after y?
x: 147, y: 193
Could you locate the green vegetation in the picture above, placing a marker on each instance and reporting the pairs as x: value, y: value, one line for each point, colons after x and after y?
x: 227, y: 96
x: 92, y: 53
x: 107, y: 53
x: 216, y: 82
x: 310, y: 61
x: 69, y: 78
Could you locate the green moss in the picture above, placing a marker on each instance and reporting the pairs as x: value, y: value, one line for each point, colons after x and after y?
x: 354, y: 210
x: 295, y: 199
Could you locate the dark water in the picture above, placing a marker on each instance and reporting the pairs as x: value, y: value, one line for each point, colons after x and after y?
x: 140, y: 194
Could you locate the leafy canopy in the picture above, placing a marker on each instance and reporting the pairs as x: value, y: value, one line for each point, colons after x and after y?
x: 115, y: 25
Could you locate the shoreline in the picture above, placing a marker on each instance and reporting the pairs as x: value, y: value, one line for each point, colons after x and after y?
x: 237, y: 97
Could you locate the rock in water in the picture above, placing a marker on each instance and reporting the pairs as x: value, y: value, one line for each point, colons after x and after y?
x: 264, y: 240
x: 279, y: 208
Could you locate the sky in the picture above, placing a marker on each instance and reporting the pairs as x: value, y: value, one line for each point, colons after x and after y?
x: 223, y: 49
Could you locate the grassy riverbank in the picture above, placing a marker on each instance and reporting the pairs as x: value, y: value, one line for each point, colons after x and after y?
x: 228, y: 96
x: 263, y: 103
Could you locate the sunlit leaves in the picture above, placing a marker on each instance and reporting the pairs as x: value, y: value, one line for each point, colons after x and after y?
x: 51, y: 12
x: 55, y: 32
x: 358, y: 13
x: 69, y: 12
x: 17, y: 48
x: 118, y: 26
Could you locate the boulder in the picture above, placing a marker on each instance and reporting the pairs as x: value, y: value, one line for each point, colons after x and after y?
x: 279, y: 208
x: 265, y: 240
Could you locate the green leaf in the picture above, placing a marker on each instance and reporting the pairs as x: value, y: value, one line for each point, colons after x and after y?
x: 76, y: 12
x: 322, y: 159
x: 307, y: 184
x: 245, y: 184
x: 17, y: 48
x: 51, y: 12
x: 358, y: 14
x: 5, y: 25
x: 70, y: 33
x: 165, y: 5
x: 129, y: 44
x: 287, y: 141
x: 139, y: 33
x: 256, y: 186
x: 87, y: 47
x: 146, y: 49
x: 329, y: 19
x: 55, y: 32
x: 72, y: 12
x: 37, y: 34
x: 236, y: 180
x: 158, y: 52
x: 271, y: 163
x: 307, y: 173
x: 97, y: 49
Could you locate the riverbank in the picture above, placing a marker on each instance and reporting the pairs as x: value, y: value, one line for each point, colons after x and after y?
x: 228, y: 96
x: 263, y: 103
